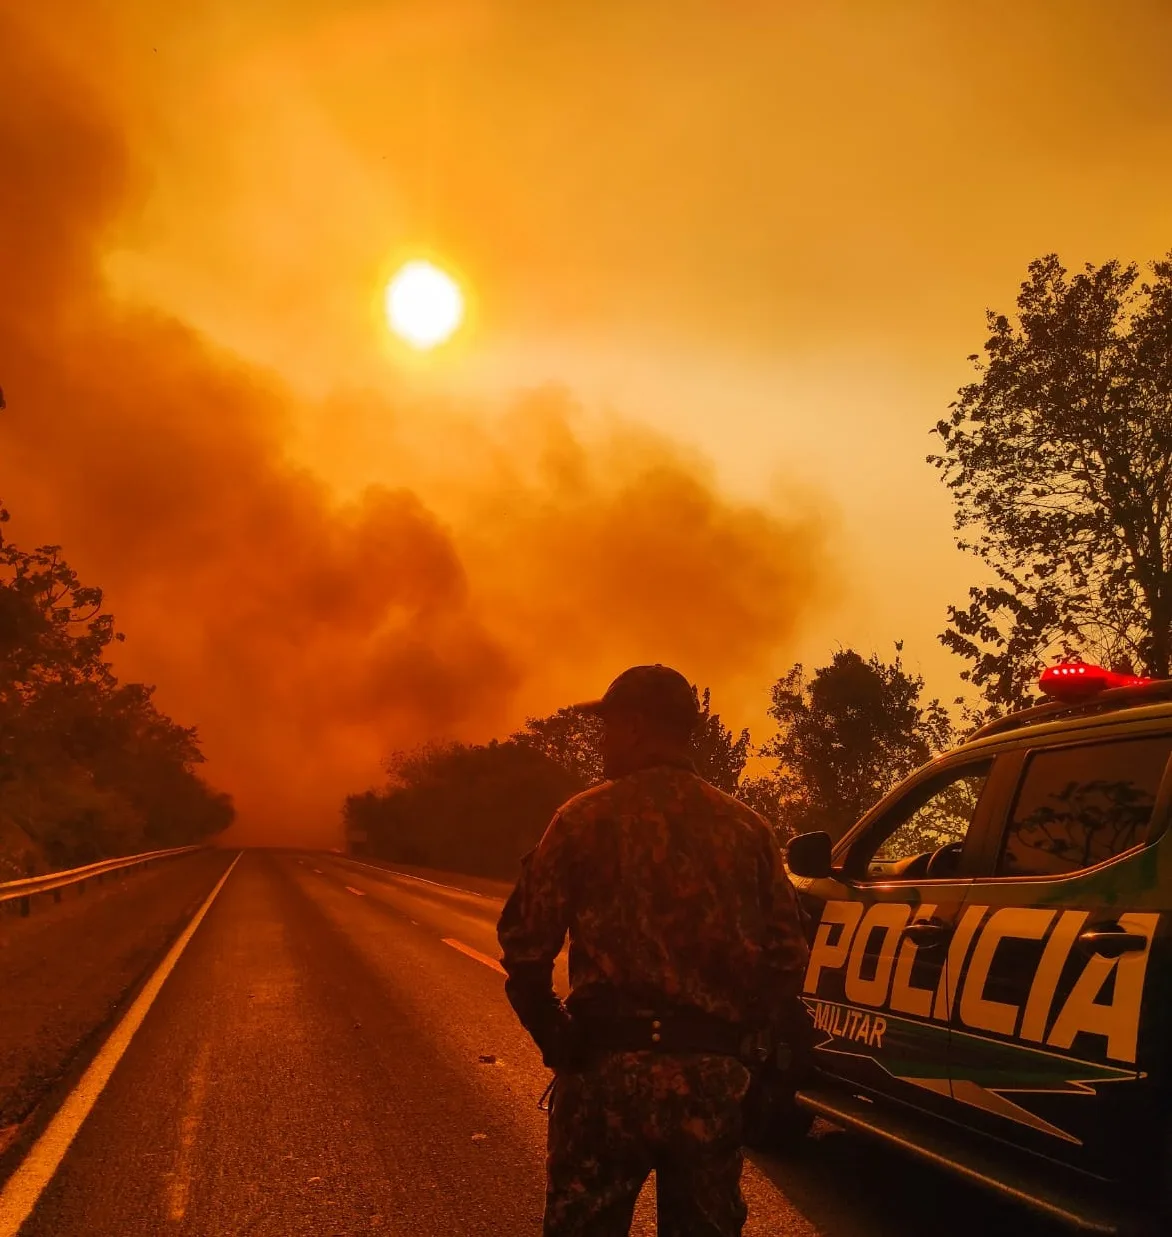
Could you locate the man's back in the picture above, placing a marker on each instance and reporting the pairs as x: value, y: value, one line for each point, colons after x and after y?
x: 671, y: 887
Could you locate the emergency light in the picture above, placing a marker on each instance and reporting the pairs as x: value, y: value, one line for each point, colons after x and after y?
x: 1073, y: 680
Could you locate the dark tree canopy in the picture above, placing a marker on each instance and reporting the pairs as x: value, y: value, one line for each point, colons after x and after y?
x: 52, y: 627
x: 478, y: 807
x: 720, y: 758
x: 571, y: 738
x: 568, y: 737
x: 89, y: 767
x: 466, y: 808
x: 846, y: 735
x: 1059, y: 458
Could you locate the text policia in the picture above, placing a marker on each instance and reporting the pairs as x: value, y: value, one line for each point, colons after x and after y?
x: 852, y: 939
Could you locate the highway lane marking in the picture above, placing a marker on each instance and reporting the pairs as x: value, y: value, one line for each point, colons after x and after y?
x: 179, y: 1186
x: 374, y: 867
x: 361, y: 893
x: 474, y: 953
x: 21, y: 1191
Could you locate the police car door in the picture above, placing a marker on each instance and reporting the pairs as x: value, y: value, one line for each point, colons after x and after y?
x: 879, y: 984
x: 1055, y: 1009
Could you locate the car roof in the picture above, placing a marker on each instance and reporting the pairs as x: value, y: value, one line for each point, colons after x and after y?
x: 1129, y: 706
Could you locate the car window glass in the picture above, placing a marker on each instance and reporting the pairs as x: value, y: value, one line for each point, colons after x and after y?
x: 1078, y: 806
x: 934, y: 814
x: 942, y: 819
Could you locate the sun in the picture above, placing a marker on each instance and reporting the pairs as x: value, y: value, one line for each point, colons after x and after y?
x: 424, y: 304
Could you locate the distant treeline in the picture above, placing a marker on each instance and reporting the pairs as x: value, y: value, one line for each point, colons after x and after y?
x: 845, y: 734
x: 89, y: 766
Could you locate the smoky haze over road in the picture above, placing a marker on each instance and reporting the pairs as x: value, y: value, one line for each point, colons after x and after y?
x: 333, y: 1054
x: 305, y: 623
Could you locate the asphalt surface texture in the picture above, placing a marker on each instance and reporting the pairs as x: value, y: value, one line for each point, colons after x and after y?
x: 333, y: 1054
x: 68, y: 969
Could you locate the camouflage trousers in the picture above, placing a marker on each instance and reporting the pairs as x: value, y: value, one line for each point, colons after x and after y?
x: 632, y: 1113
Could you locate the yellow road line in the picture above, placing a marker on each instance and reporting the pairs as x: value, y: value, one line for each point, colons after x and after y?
x: 21, y: 1190
x: 474, y: 953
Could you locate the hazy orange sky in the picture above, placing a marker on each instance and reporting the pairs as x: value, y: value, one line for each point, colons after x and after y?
x: 725, y: 262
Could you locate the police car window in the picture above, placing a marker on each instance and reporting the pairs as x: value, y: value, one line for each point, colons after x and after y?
x: 1079, y: 806
x: 933, y: 815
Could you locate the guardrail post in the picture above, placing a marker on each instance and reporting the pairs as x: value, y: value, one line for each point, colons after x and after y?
x: 57, y: 894
x: 25, y: 907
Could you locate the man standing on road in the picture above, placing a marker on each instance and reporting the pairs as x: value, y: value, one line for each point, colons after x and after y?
x: 685, y: 940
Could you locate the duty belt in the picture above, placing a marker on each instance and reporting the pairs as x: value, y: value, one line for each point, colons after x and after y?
x: 671, y: 1033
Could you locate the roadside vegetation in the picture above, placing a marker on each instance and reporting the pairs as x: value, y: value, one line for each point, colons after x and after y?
x: 90, y: 767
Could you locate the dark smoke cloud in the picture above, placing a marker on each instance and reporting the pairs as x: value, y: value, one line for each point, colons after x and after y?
x: 306, y: 632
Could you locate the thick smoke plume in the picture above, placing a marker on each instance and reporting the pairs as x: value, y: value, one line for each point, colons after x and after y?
x: 307, y: 632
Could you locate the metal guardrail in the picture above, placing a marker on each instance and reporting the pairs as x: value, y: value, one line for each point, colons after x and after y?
x: 54, y: 882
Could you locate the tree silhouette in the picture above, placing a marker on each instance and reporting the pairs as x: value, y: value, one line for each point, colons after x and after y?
x: 720, y: 758
x: 89, y: 767
x: 1059, y: 458
x: 571, y: 738
x: 847, y: 733
x: 466, y: 808
x: 568, y: 737
x: 476, y: 808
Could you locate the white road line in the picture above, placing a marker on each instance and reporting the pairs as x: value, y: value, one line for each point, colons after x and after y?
x: 178, y: 1189
x: 21, y: 1191
x: 360, y: 892
x: 374, y: 867
x: 474, y: 953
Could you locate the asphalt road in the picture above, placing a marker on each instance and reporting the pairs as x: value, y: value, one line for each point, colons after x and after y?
x: 67, y: 969
x: 330, y: 1056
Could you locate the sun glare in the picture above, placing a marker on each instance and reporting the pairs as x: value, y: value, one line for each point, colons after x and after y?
x: 424, y: 304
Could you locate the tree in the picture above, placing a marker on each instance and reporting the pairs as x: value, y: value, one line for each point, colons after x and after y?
x: 52, y: 627
x: 135, y: 749
x: 719, y: 757
x: 765, y: 794
x: 573, y: 738
x: 89, y: 767
x: 1059, y: 458
x: 846, y: 735
x: 478, y: 808
x: 570, y: 738
x: 468, y: 808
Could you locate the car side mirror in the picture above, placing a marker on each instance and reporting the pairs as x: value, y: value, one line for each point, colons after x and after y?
x: 809, y: 855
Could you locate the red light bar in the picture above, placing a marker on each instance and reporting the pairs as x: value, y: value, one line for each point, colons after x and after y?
x: 1072, y: 680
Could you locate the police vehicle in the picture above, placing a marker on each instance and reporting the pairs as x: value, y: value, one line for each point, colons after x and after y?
x: 991, y: 957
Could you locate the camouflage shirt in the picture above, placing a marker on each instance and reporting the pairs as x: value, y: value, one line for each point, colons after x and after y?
x: 672, y: 893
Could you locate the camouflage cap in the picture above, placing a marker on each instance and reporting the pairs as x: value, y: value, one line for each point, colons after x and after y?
x: 654, y: 691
